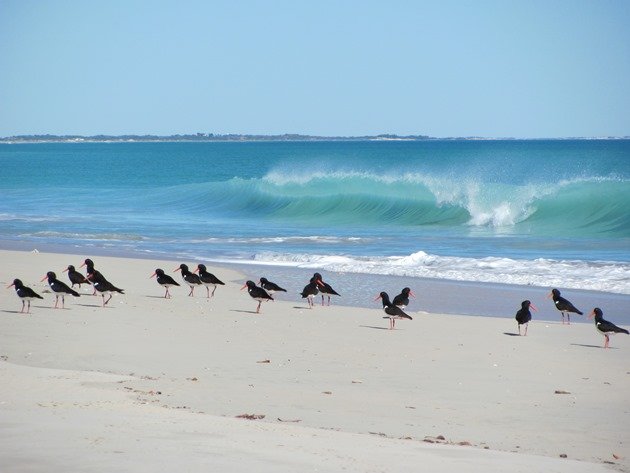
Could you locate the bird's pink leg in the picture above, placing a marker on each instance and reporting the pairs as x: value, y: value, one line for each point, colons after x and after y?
x: 607, y: 340
x: 63, y: 302
x: 23, y: 301
x: 215, y: 288
x: 258, y: 308
x: 28, y: 311
x: 526, y: 325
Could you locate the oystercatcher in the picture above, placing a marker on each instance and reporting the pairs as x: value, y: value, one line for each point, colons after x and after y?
x: 257, y: 293
x: 59, y: 288
x: 208, y: 279
x: 402, y: 299
x: 102, y: 285
x: 393, y: 312
x: 563, y: 305
x: 270, y: 287
x: 26, y: 294
x: 165, y: 281
x: 523, y: 315
x: 324, y: 288
x: 309, y: 292
x: 97, y: 276
x: 192, y: 279
x: 75, y: 276
x: 604, y: 327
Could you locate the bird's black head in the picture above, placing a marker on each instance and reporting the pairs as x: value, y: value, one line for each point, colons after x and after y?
x: 264, y: 280
x: 250, y: 284
x: 525, y: 304
x: 406, y: 291
x: 89, y: 263
x: 71, y: 268
x: 597, y: 313
x: 159, y: 272
x: 555, y: 292
x: 17, y: 283
x: 183, y: 267
x: 317, y: 276
x: 201, y: 267
x: 51, y: 275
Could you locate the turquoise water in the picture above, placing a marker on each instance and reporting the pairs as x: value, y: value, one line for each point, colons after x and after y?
x: 542, y: 213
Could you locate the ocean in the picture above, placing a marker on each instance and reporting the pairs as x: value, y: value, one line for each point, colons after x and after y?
x: 536, y: 213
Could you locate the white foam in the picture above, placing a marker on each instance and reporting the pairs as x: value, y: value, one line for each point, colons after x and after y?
x: 599, y: 275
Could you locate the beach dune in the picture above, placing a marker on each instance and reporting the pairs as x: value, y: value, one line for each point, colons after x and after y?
x: 191, y: 383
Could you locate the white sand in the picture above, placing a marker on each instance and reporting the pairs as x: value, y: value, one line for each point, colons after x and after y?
x: 149, y: 384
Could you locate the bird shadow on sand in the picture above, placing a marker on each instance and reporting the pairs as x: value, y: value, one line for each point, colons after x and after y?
x: 245, y: 311
x: 593, y: 346
x: 14, y: 312
x: 157, y: 297
x: 93, y: 305
x: 374, y: 327
x: 512, y: 334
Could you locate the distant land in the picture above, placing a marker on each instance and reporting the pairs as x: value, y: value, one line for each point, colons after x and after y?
x: 202, y: 137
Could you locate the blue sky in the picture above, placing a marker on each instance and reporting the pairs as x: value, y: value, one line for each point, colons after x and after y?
x: 439, y: 68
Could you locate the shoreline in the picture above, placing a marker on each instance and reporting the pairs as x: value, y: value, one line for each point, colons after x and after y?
x: 146, y: 375
x: 453, y: 297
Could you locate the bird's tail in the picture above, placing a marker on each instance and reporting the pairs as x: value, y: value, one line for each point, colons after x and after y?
x: 75, y: 294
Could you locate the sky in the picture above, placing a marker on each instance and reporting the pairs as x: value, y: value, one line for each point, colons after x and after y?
x: 524, y: 69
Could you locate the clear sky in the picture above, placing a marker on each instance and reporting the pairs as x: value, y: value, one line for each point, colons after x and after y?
x: 502, y: 68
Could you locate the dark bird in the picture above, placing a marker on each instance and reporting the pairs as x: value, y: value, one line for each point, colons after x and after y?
x: 165, y: 281
x: 192, y: 279
x: 604, y: 327
x: 563, y: 305
x: 523, y: 315
x: 393, y: 312
x: 402, y: 299
x: 208, y: 279
x: 24, y: 293
x: 324, y: 288
x: 309, y: 292
x: 102, y: 285
x: 96, y: 276
x: 257, y: 293
x: 270, y: 287
x: 59, y: 288
x: 75, y: 276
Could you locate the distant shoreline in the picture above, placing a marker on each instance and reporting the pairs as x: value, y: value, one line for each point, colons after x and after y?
x: 238, y: 138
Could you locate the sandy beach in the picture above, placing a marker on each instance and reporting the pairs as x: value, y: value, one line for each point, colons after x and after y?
x: 154, y: 384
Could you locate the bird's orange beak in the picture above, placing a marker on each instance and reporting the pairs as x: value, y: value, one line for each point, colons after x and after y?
x: 412, y: 294
x: 550, y: 295
x: 44, y: 278
x: 592, y: 314
x: 154, y: 274
x: 377, y: 297
x: 196, y: 270
x: 10, y: 285
x: 532, y: 306
x: 244, y: 286
x: 64, y: 270
x: 177, y: 269
x: 82, y: 265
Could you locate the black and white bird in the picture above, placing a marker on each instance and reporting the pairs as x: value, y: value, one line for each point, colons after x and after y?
x: 192, y: 279
x: 208, y: 279
x: 393, y: 312
x: 102, y: 285
x: 270, y: 287
x: 309, y: 292
x: 402, y: 299
x: 324, y: 288
x: 604, y: 327
x: 523, y: 315
x: 75, y: 276
x: 257, y: 293
x: 165, y: 281
x: 91, y: 273
x: 26, y: 294
x: 563, y: 305
x: 59, y: 288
